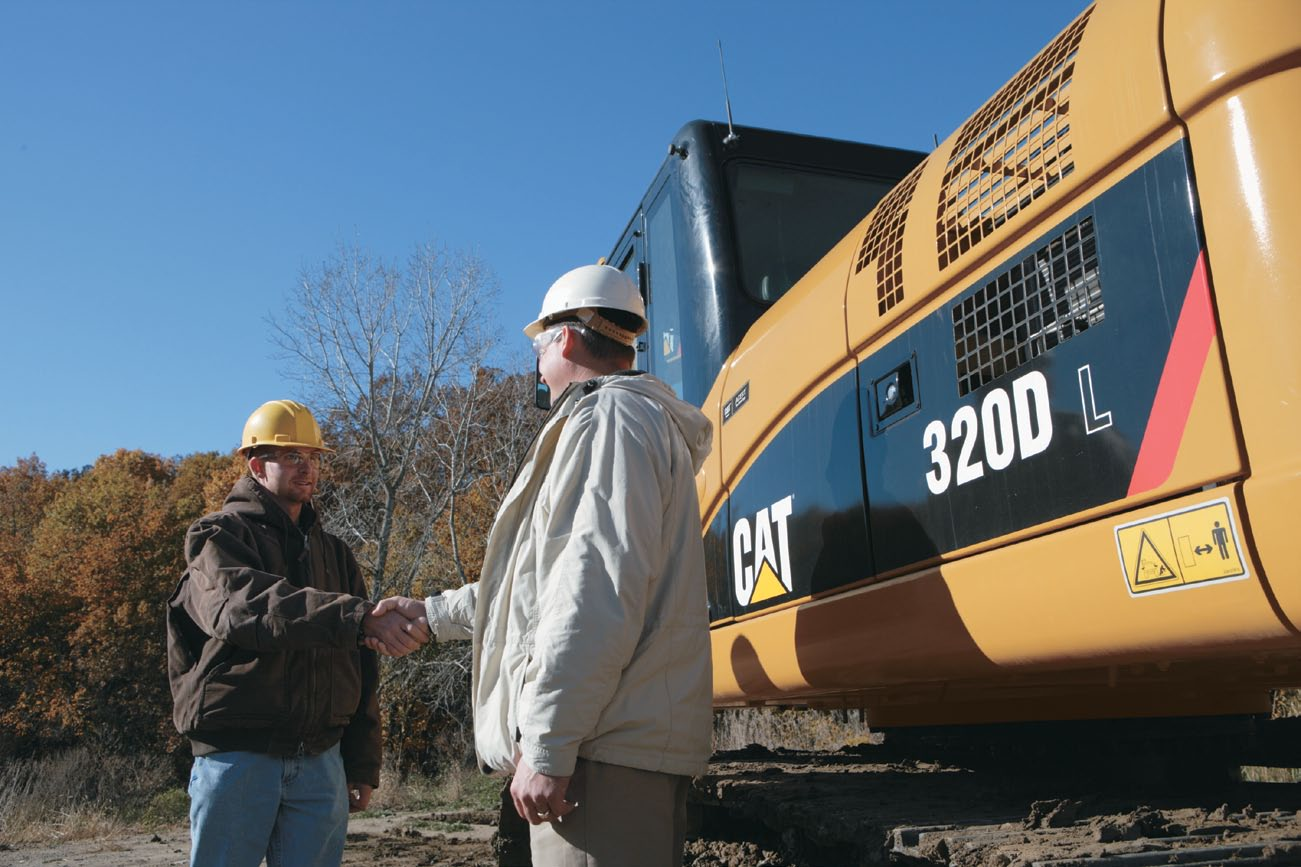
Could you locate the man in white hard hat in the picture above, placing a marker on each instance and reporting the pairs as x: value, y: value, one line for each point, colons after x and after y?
x: 270, y: 679
x: 591, y: 679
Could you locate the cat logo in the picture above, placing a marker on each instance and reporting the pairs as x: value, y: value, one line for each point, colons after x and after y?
x: 761, y: 555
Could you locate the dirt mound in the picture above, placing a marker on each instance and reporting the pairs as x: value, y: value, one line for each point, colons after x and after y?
x: 718, y: 853
x: 867, y: 806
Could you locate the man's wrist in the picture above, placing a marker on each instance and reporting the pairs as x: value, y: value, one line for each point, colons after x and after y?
x: 366, y: 609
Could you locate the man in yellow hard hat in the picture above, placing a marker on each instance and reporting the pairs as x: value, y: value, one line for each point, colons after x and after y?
x: 591, y: 679
x: 270, y: 678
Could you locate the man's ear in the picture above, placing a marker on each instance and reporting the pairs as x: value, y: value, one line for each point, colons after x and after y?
x: 568, y: 343
x: 257, y: 467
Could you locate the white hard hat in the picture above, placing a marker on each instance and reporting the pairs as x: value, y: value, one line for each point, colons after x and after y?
x: 581, y: 291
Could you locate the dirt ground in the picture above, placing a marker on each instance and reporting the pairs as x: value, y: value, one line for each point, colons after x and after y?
x: 870, y: 815
x: 415, y: 839
x: 791, y: 809
x: 900, y: 804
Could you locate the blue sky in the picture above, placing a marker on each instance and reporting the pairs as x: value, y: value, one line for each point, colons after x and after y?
x: 168, y: 170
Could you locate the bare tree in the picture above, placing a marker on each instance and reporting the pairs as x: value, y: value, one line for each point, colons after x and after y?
x: 427, y: 439
x: 386, y: 352
x: 496, y: 416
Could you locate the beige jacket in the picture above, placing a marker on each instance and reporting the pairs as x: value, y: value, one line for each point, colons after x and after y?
x: 589, y: 619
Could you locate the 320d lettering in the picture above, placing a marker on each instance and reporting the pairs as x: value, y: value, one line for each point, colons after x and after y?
x: 1006, y: 424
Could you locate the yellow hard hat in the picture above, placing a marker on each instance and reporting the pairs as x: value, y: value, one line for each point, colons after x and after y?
x: 282, y: 423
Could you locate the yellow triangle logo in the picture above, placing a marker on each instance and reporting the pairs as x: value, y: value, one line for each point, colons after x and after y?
x: 1151, y: 565
x: 767, y: 585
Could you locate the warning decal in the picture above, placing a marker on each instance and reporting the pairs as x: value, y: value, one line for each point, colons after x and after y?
x: 1151, y: 566
x: 1179, y: 549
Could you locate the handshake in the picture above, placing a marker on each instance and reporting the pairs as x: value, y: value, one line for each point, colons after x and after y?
x: 396, y: 626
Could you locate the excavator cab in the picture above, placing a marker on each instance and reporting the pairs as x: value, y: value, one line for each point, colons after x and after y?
x: 733, y: 218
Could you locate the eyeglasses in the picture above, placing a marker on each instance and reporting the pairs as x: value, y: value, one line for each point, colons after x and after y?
x: 541, y: 341
x: 294, y: 459
x: 544, y: 338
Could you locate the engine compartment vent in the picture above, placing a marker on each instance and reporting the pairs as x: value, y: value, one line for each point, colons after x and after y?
x: 1011, y: 151
x: 1044, y: 299
x: 883, y: 241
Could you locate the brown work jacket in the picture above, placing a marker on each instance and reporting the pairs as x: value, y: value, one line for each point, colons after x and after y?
x: 262, y: 634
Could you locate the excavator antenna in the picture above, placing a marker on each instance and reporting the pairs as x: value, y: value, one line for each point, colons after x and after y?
x: 731, y: 136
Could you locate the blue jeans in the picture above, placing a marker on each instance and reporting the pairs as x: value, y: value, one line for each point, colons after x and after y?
x: 244, y: 806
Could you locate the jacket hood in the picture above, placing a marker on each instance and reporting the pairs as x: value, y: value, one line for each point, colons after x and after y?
x: 696, y: 429
x: 251, y: 500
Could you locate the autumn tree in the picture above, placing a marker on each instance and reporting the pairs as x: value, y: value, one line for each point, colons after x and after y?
x: 380, y: 349
x: 427, y: 694
x: 102, y: 563
x: 219, y: 482
x: 428, y: 438
x: 500, y: 421
x: 26, y: 490
x: 394, y: 359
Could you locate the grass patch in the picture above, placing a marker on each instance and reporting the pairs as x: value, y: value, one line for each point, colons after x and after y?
x: 1287, y: 703
x: 435, y: 825
x: 790, y: 728
x: 170, y: 807
x: 454, y: 789
x: 79, y: 794
x: 1260, y: 774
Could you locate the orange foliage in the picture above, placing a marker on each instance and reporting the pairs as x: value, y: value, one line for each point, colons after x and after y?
x: 26, y: 490
x: 88, y: 560
x: 225, y: 472
x: 98, y: 569
x: 470, y: 518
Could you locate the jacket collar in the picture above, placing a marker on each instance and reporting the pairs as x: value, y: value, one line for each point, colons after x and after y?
x: 253, y: 501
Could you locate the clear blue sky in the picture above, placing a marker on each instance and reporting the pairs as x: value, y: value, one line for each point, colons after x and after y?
x: 167, y: 170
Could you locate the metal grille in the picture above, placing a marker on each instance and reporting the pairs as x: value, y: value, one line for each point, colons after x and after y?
x: 1011, y: 151
x: 884, y: 241
x: 1045, y: 299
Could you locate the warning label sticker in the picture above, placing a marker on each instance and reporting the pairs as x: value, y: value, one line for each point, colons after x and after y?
x: 1189, y: 547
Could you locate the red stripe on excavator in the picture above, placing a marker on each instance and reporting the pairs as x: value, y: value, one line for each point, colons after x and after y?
x: 1189, y: 348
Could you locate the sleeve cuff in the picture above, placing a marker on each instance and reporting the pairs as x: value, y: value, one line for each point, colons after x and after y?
x: 357, y: 617
x: 553, y: 763
x: 439, y: 614
x: 368, y: 775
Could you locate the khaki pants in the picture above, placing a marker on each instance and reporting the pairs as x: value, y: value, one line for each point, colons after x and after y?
x: 625, y: 818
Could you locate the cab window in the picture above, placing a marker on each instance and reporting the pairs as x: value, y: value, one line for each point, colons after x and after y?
x: 664, y: 342
x: 787, y: 218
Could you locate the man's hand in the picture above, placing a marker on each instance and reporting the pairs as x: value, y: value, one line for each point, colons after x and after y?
x: 358, y: 797
x: 539, y: 797
x: 395, y: 629
x: 411, y: 609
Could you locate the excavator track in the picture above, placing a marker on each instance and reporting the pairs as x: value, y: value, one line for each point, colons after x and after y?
x: 1130, y: 793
